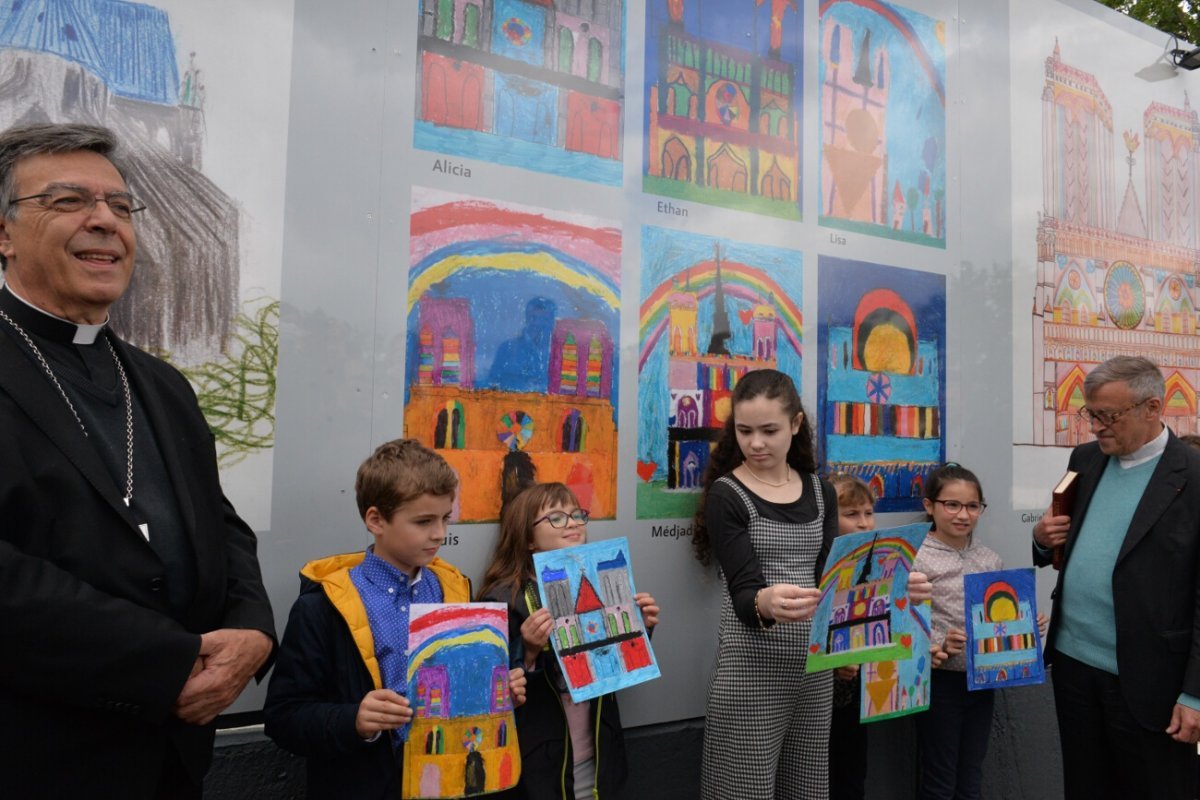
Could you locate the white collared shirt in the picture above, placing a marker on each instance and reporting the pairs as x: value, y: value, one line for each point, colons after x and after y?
x: 1151, y: 449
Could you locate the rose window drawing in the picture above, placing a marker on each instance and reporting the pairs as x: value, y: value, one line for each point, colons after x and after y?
x: 1124, y: 296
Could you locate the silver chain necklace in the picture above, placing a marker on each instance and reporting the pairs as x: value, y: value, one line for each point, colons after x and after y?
x: 124, y: 386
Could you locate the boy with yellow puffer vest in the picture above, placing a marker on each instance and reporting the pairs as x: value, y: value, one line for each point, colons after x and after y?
x: 337, y: 693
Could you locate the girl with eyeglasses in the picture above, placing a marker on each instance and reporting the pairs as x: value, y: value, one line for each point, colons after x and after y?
x: 568, y: 750
x: 953, y: 733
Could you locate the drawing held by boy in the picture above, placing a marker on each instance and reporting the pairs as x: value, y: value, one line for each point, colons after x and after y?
x: 847, y: 736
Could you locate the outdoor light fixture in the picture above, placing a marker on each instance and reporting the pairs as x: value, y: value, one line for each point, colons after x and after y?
x: 1188, y: 59
x: 1167, y: 65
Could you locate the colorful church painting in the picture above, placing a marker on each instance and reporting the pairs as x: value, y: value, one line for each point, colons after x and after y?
x: 1114, y: 277
x: 712, y: 310
x: 882, y: 72
x: 462, y: 738
x: 901, y: 687
x: 881, y: 389
x: 863, y: 614
x: 512, y: 347
x: 598, y: 636
x: 536, y: 84
x: 1004, y: 645
x: 723, y: 100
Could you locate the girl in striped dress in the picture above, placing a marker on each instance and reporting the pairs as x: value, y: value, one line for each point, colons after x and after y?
x: 768, y: 521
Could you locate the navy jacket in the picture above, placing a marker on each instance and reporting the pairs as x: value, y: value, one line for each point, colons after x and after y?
x: 326, y: 666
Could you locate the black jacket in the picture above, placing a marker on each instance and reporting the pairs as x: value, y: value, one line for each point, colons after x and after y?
x: 547, y: 759
x: 95, y: 655
x: 1154, y: 582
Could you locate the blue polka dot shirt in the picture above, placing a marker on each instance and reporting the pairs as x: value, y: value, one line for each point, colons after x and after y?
x: 387, y: 594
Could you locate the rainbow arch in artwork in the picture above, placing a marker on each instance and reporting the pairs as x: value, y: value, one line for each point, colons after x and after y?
x: 906, y: 30
x: 475, y: 234
x: 451, y: 617
x: 1180, y: 396
x: 482, y: 634
x: 884, y: 547
x: 501, y: 258
x: 737, y: 280
x: 865, y: 615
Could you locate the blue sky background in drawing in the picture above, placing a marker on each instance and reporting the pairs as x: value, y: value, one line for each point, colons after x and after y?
x: 667, y: 252
x: 841, y: 284
x: 914, y: 112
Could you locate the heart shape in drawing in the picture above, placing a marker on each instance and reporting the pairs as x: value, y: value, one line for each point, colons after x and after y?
x: 814, y: 648
x: 901, y: 603
x: 745, y: 315
x: 646, y: 470
x: 906, y: 640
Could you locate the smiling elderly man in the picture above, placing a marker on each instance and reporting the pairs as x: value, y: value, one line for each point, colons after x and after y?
x: 131, y: 602
x: 1123, y: 638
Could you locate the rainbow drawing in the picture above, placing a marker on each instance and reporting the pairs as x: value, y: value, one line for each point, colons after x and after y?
x: 462, y: 740
x: 513, y: 359
x: 864, y: 614
x: 712, y: 309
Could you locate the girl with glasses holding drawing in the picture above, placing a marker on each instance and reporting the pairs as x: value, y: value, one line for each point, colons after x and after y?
x: 953, y: 733
x: 568, y: 750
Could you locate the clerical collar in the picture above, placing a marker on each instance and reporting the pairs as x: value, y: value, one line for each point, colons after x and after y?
x: 1151, y: 449
x: 45, y: 324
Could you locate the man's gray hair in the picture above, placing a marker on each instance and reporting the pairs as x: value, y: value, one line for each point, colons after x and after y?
x: 1143, y: 376
x: 32, y: 140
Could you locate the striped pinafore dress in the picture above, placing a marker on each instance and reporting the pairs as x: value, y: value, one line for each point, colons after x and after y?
x: 766, y: 730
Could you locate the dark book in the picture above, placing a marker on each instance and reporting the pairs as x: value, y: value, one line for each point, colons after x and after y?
x: 1062, y: 502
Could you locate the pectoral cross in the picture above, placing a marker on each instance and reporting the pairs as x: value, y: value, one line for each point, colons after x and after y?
x: 144, y: 527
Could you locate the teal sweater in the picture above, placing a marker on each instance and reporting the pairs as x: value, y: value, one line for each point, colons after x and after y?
x: 1088, y: 629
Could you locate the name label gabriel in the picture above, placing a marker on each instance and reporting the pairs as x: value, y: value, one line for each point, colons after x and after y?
x: 670, y: 531
x: 449, y: 167
x: 1031, y: 517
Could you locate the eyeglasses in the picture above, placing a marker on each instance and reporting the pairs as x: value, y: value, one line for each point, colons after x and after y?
x: 1106, y: 418
x: 953, y: 507
x: 560, y: 519
x: 70, y: 200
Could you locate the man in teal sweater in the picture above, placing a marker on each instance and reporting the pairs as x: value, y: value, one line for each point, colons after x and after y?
x: 1124, y: 637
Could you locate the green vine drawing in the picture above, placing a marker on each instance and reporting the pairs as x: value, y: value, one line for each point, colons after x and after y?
x: 237, y: 391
